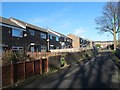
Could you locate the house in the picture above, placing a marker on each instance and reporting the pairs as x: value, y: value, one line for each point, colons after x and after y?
x: 12, y: 35
x: 53, y: 40
x: 21, y: 35
x: 35, y: 37
x: 104, y: 44
x: 78, y: 42
x: 58, y: 40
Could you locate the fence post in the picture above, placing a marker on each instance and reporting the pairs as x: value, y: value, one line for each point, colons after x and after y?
x: 12, y: 73
x: 24, y: 66
x: 46, y: 64
x: 33, y: 65
x: 40, y: 66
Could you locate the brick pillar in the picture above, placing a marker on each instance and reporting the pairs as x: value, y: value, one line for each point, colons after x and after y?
x: 12, y: 73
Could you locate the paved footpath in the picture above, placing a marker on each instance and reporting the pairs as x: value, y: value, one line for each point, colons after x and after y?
x: 99, y: 72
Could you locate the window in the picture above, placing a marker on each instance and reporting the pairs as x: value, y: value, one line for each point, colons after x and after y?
x: 43, y: 48
x: 43, y: 35
x: 57, y: 47
x: 69, y: 40
x: 51, y: 36
x: 57, y: 38
x: 81, y: 40
x: 17, y: 33
x: 32, y: 32
x: 64, y: 39
x: 17, y: 48
x: 32, y: 49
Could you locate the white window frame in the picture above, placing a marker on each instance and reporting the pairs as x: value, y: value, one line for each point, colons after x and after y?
x: 57, y: 38
x: 17, y: 48
x: 51, y: 36
x: 32, y: 32
x: 43, y: 35
x: 43, y: 48
x: 21, y: 33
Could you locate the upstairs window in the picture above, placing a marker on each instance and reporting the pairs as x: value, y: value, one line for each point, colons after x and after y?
x: 32, y: 32
x: 17, y: 33
x: 57, y: 38
x: 69, y: 40
x: 43, y: 35
x: 51, y: 37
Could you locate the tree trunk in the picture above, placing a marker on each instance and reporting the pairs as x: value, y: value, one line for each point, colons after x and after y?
x: 115, y: 41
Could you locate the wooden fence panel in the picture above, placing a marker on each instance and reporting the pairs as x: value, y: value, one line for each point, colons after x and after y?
x: 6, y: 75
x: 19, y: 71
x: 37, y: 67
x: 29, y: 69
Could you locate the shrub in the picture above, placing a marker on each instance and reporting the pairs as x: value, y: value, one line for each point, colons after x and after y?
x: 8, y: 56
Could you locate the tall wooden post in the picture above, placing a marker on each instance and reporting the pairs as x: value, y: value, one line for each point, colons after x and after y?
x: 40, y: 66
x: 24, y: 66
x: 12, y: 73
x: 46, y: 64
x: 33, y: 65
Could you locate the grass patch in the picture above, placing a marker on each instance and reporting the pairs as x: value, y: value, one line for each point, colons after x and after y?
x: 113, y: 51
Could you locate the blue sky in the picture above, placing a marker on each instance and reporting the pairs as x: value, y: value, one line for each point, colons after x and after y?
x: 64, y: 17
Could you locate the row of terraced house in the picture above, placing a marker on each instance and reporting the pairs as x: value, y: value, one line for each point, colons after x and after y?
x: 21, y: 36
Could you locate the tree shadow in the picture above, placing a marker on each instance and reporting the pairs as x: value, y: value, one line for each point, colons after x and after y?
x: 92, y: 75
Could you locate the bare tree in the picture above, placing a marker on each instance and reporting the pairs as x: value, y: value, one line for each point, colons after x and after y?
x: 109, y: 21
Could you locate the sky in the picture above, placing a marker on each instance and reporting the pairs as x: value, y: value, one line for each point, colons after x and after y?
x: 64, y: 17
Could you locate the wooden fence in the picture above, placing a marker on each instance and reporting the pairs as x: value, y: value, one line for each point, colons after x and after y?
x: 15, y: 72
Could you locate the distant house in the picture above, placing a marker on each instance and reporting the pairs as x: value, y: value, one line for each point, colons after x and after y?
x: 78, y: 42
x: 104, y: 44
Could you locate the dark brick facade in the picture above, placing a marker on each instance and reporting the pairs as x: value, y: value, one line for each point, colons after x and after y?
x: 30, y: 42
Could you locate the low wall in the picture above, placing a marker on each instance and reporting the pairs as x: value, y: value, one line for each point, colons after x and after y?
x: 118, y: 52
x: 71, y: 49
x: 70, y: 57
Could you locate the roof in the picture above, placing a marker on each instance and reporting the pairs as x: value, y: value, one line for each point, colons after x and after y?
x: 56, y: 33
x: 74, y: 36
x: 29, y: 25
x: 103, y: 41
x: 8, y: 22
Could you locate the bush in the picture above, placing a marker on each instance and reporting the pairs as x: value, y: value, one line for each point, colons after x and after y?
x: 15, y: 56
x: 118, y: 45
x: 8, y: 56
